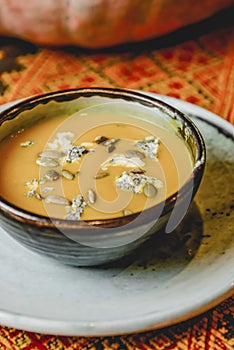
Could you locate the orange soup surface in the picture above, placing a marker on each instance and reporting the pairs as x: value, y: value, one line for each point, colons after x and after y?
x: 92, y: 168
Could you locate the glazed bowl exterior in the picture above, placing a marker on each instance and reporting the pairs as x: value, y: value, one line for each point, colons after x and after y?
x: 96, y: 242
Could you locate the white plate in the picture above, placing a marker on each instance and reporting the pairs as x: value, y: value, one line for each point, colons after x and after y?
x: 150, y: 290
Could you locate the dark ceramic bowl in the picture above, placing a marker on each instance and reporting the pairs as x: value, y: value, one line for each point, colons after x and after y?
x: 95, y: 242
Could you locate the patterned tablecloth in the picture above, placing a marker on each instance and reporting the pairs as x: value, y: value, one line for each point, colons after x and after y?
x: 195, y: 65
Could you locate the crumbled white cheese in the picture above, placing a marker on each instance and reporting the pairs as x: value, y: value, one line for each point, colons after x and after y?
x: 75, y: 152
x: 136, y: 182
x: 62, y: 142
x: 122, y: 160
x: 32, y: 188
x: 149, y: 146
x: 76, y: 208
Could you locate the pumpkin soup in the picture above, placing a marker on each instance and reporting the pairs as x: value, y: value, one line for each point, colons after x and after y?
x: 86, y: 167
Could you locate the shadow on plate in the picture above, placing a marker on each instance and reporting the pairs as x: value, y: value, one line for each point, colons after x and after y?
x: 178, y: 247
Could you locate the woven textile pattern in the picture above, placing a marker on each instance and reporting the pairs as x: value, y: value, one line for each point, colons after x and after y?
x: 211, y: 331
x: 198, y: 70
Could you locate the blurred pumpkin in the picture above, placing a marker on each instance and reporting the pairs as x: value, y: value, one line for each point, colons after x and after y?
x: 100, y: 23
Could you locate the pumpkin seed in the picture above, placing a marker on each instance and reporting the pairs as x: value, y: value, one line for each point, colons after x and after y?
x: 50, y: 153
x: 56, y: 199
x: 87, y: 144
x: 67, y: 174
x: 92, y: 197
x: 110, y: 142
x: 110, y: 148
x: 47, y: 162
x: 131, y: 153
x: 52, y: 175
x: 38, y: 196
x: 137, y: 171
x: 101, y: 175
x: 150, y: 190
x: 47, y: 189
x: 100, y: 139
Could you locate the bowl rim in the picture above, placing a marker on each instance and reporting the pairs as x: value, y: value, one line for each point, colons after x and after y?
x: 9, y: 209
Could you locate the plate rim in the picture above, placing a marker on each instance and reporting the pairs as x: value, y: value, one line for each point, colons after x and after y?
x: 147, y: 321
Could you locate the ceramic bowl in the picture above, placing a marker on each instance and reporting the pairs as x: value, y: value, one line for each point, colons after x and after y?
x: 96, y: 242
